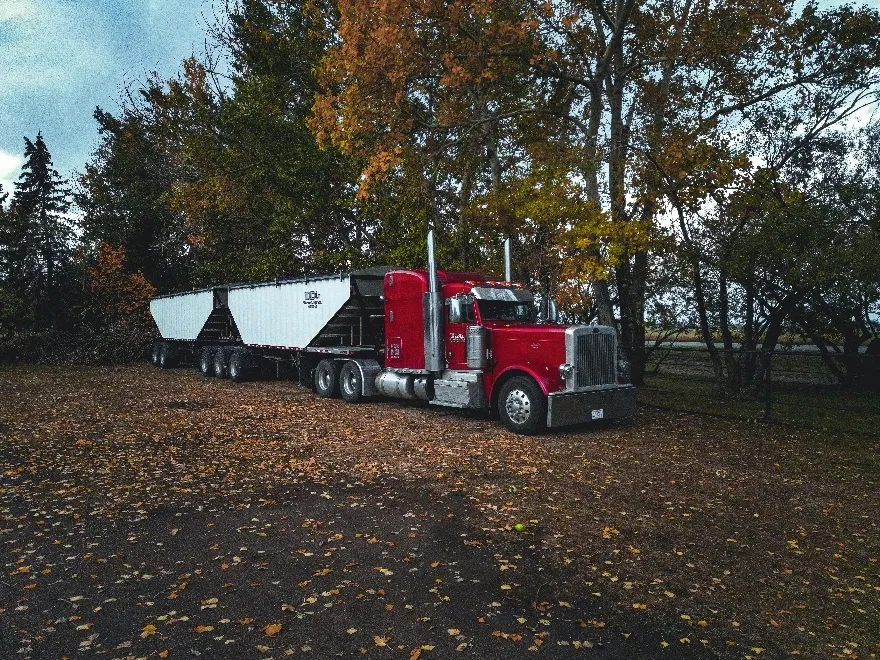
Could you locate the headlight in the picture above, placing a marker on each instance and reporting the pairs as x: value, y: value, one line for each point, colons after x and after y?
x: 565, y: 371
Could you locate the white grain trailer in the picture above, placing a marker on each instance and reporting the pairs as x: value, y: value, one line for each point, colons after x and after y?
x: 237, y: 330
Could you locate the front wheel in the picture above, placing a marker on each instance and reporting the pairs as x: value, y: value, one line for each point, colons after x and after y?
x: 522, y: 406
x: 351, y: 384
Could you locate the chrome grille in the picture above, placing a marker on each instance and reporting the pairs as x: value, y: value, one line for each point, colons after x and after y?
x: 595, y: 359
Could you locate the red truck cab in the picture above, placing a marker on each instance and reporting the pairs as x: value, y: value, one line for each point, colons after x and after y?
x: 497, y: 354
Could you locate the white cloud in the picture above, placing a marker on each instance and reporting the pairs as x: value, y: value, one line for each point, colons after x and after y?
x: 17, y: 9
x: 10, y: 166
x: 50, y: 45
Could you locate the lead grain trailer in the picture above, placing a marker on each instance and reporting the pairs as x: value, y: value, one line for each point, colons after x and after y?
x: 449, y: 338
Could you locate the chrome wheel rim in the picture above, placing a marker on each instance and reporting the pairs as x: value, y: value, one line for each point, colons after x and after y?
x: 350, y: 382
x: 518, y: 406
x: 324, y: 379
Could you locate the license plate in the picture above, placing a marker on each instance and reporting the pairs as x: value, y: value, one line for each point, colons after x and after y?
x: 598, y: 414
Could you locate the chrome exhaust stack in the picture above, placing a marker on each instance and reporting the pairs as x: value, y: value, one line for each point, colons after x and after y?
x: 433, y: 313
x: 508, y: 262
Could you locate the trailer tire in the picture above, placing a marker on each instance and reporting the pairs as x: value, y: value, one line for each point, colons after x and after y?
x: 351, y: 383
x: 327, y: 379
x: 206, y: 362
x: 238, y: 367
x: 167, y: 356
x: 522, y: 406
x: 220, y: 363
x: 154, y: 355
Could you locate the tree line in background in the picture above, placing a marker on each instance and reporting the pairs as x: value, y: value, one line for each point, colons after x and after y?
x: 660, y: 165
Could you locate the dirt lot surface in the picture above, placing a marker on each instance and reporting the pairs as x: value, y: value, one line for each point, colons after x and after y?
x: 150, y: 514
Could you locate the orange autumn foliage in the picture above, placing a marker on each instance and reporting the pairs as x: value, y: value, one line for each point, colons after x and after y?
x: 118, y: 295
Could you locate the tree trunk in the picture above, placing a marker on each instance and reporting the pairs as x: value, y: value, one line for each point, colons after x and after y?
x: 705, y: 330
x: 464, y: 238
x: 732, y: 380
x: 749, y: 357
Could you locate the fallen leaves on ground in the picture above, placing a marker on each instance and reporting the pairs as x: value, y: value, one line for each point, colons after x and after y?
x: 766, y: 538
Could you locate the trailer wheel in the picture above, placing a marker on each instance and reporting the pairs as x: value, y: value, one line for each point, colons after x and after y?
x: 351, y: 385
x: 327, y: 379
x: 167, y: 356
x: 154, y: 355
x: 206, y: 362
x: 220, y: 363
x: 522, y: 406
x: 238, y: 367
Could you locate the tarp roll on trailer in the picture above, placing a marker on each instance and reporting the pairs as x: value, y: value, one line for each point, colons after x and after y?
x: 287, y: 314
x: 182, y: 316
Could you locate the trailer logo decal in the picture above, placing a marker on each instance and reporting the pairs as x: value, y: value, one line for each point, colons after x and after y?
x: 312, y: 299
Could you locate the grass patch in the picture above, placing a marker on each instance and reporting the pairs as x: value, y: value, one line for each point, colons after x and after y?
x: 826, y: 411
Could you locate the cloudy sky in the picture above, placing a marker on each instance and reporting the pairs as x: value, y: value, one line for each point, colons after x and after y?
x: 59, y: 59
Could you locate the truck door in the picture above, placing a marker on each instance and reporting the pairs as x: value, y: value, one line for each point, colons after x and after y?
x: 459, y: 315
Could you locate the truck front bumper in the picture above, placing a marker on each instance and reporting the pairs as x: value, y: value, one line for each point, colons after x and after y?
x: 567, y: 408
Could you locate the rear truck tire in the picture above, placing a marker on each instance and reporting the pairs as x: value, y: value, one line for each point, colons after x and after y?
x: 206, y: 362
x: 239, y: 369
x: 522, y: 406
x: 220, y: 363
x: 351, y: 385
x: 327, y: 379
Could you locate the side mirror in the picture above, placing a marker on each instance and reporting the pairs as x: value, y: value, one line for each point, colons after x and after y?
x: 454, y: 310
x: 460, y: 308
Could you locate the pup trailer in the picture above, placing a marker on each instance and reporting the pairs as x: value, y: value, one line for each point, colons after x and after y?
x: 449, y: 338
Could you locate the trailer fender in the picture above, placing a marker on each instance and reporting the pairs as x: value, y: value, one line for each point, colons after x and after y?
x: 369, y: 370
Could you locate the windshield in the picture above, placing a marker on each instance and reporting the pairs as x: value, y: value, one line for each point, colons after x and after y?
x: 503, y: 310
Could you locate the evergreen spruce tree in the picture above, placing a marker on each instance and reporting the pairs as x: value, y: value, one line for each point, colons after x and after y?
x: 39, y: 236
x: 16, y: 306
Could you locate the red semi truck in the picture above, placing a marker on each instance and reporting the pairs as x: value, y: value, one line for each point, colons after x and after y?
x: 449, y: 338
